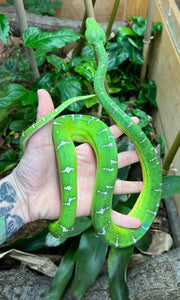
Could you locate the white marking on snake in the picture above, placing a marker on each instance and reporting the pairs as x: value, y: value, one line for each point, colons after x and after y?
x: 117, y: 242
x: 108, y: 145
x: 69, y: 201
x: 62, y: 144
x: 104, y: 130
x: 102, y: 210
x: 153, y: 159
x: 68, y: 188
x: 64, y: 229
x: 142, y: 141
x: 103, y: 229
x: 90, y: 120
x: 115, y: 110
x: 134, y: 240
x: 72, y: 118
x: 109, y: 170
x: 56, y: 110
x: 114, y: 162
x: 103, y: 193
x: 145, y: 228
x: 23, y: 134
x: 56, y: 123
x: 141, y: 132
x: 109, y: 186
x: 151, y: 212
x: 130, y: 124
x: 44, y: 119
x: 67, y: 170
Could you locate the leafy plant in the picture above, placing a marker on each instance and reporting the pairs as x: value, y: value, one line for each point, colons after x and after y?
x: 38, y: 7
x: 18, y: 101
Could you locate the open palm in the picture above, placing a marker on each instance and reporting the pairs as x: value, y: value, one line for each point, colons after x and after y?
x: 37, y: 174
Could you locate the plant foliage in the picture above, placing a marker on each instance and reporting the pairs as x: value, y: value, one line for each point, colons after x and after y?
x: 85, y: 257
x: 38, y: 7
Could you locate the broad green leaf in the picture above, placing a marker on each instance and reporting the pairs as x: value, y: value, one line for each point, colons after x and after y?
x: 143, y: 118
x: 57, y: 62
x: 126, y: 31
x: 31, y: 243
x: 86, y: 70
x: 139, y: 25
x: 18, y: 125
x: 16, y: 93
x: 63, y: 274
x: 23, y: 63
x: 90, y: 258
x: 117, y: 268
x: 70, y: 87
x: 156, y: 26
x: 116, y: 55
x: 147, y: 93
x: 145, y: 241
x: 4, y: 28
x: 80, y: 225
x: 171, y: 186
x: 34, y: 38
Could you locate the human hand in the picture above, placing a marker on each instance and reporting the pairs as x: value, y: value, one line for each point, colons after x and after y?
x: 36, y: 175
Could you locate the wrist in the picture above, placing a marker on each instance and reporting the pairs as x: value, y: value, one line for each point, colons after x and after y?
x: 13, y: 211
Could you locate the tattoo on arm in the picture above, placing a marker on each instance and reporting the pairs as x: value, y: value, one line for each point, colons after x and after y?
x: 9, y: 223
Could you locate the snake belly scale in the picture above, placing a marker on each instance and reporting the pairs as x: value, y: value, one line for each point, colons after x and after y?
x: 67, y: 129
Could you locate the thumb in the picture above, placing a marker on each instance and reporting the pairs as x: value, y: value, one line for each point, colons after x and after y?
x: 45, y: 104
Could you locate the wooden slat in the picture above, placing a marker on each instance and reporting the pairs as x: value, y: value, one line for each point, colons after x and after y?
x: 165, y: 70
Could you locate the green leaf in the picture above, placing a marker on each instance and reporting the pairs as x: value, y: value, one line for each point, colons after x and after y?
x: 4, y: 28
x: 68, y: 88
x: 80, y: 225
x: 156, y: 26
x: 171, y: 186
x: 34, y: 38
x: 116, y: 55
x: 63, y: 274
x: 145, y: 241
x: 143, y: 117
x: 147, y: 93
x: 16, y: 93
x: 90, y: 258
x: 57, y: 62
x: 139, y: 25
x: 86, y: 70
x: 39, y: 54
x: 162, y: 145
x: 29, y: 244
x: 18, y: 125
x: 117, y: 269
x: 124, y: 31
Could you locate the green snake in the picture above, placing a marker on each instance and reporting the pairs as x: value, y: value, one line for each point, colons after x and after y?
x: 69, y: 128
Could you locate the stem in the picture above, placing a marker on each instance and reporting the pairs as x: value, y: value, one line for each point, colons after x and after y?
x: 78, y: 49
x: 89, y: 8
x: 113, y: 15
x: 172, y: 152
x: 21, y: 14
x: 147, y: 38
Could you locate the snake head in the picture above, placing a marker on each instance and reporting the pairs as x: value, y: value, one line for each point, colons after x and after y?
x: 94, y: 33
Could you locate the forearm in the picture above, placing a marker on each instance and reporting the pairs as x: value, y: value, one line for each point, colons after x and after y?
x: 12, y: 208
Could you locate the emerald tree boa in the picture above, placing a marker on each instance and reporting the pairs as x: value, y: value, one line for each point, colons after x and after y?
x: 69, y: 128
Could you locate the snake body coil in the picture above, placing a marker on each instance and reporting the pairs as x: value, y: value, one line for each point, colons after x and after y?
x: 88, y: 129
